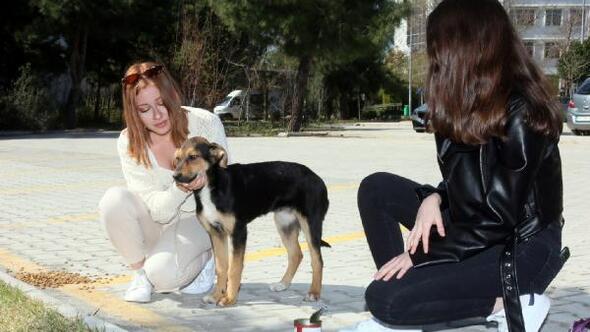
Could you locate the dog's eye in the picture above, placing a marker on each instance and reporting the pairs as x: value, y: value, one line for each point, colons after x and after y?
x: 193, y: 157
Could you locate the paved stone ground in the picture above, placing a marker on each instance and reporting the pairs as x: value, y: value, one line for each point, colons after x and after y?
x: 50, y: 186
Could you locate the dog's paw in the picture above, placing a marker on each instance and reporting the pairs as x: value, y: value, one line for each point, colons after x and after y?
x: 210, y: 299
x: 226, y: 301
x: 278, y: 286
x: 311, y: 297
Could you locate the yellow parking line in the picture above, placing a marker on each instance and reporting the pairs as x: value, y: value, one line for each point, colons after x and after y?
x: 73, y: 218
x: 113, y: 305
x: 94, y: 216
x: 110, y: 183
x: 50, y: 170
x: 271, y: 252
x: 59, y: 187
x: 342, y: 186
x: 54, y: 220
x: 106, y: 302
x: 17, y: 264
x: 265, y: 253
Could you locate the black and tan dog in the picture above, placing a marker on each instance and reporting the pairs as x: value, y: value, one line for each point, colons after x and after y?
x: 235, y: 195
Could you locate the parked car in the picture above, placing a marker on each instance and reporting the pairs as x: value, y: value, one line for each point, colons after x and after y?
x: 418, y: 117
x: 578, y: 110
x: 562, y: 103
x: 231, y: 106
x: 235, y: 104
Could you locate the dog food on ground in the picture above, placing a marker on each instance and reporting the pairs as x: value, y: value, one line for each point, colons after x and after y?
x: 52, y: 279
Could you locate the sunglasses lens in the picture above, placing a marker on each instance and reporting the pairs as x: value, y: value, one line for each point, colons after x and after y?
x: 155, y: 70
x: 131, y: 79
x: 151, y: 72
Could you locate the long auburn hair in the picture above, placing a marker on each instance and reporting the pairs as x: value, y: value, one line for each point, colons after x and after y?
x: 139, y: 137
x: 476, y: 61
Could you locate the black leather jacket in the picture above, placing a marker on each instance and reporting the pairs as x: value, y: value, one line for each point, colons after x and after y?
x: 501, y: 192
x: 493, y: 191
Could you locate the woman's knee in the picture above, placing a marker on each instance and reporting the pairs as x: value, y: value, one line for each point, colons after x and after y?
x: 388, y: 301
x: 161, y: 271
x: 370, y: 186
x: 114, y: 202
x: 166, y: 274
x: 378, y: 182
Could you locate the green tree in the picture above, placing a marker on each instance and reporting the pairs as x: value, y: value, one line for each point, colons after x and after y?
x: 574, y: 64
x: 102, y: 37
x: 340, y: 30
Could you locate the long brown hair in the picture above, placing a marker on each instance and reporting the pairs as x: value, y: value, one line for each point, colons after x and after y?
x: 139, y: 138
x: 476, y: 61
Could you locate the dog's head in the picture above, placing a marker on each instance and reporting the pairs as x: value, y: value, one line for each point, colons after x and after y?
x: 195, y: 157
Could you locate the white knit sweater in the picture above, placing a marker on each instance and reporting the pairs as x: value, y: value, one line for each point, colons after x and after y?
x: 155, y: 185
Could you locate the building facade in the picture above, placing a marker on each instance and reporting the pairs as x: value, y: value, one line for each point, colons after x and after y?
x: 546, y: 27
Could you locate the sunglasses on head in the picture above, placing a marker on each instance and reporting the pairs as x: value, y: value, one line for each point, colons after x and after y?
x: 150, y: 72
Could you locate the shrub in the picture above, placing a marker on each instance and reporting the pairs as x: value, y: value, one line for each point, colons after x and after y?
x: 27, y: 104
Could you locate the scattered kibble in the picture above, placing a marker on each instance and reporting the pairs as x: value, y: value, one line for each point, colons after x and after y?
x: 52, y: 279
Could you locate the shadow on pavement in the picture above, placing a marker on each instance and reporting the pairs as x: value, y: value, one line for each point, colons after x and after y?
x: 338, y: 298
x: 59, y: 134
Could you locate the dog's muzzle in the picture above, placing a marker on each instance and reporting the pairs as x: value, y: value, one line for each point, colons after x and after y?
x: 181, y: 178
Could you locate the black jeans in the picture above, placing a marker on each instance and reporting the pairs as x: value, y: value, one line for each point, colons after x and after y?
x: 443, y: 292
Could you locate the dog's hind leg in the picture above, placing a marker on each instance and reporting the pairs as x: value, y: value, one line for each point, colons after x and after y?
x: 317, y: 264
x: 288, y: 228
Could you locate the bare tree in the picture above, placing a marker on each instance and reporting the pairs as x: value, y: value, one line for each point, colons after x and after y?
x: 206, y: 57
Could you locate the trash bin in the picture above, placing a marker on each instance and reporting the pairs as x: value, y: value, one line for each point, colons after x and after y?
x: 406, y: 110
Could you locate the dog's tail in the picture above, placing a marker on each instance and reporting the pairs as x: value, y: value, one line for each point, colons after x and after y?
x: 325, y: 244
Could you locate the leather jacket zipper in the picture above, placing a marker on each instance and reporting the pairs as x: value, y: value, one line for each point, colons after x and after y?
x: 483, y: 182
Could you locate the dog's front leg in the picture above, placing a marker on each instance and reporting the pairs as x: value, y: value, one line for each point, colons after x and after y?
x: 236, y: 266
x: 220, y: 250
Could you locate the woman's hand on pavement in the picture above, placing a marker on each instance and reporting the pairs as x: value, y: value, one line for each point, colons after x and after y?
x: 399, y: 264
x: 428, y: 215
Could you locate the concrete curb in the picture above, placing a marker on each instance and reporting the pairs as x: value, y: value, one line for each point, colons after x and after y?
x: 303, y: 134
x: 64, y: 309
x: 51, y: 133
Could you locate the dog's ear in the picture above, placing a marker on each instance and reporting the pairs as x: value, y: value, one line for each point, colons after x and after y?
x: 177, y: 154
x: 218, y: 154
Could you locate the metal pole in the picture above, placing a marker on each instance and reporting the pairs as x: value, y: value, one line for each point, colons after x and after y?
x: 410, y: 68
x: 358, y: 104
x: 583, y: 20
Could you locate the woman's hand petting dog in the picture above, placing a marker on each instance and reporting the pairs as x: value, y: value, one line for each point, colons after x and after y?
x: 196, y: 184
x: 399, y: 264
x: 428, y: 215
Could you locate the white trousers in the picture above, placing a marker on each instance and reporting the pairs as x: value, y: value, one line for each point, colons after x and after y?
x: 174, y: 253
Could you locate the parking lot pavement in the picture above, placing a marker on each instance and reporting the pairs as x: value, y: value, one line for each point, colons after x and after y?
x: 50, y: 187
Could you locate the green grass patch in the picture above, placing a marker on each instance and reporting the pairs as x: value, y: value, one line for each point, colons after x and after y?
x: 20, y: 313
x: 253, y: 128
x: 267, y: 128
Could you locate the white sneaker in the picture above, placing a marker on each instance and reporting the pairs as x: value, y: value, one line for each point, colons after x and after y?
x: 140, y: 289
x: 372, y: 325
x: 533, y: 315
x: 204, y: 281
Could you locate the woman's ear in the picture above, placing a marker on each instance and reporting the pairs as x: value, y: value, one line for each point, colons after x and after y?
x: 218, y: 154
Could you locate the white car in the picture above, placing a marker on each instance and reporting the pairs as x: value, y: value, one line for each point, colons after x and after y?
x: 578, y: 111
x: 231, y: 106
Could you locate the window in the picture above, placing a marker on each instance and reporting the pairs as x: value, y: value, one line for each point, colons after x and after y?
x: 530, y: 47
x: 524, y: 17
x: 576, y: 17
x: 584, y: 89
x: 553, y: 17
x: 551, y: 50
